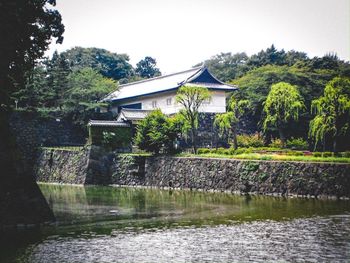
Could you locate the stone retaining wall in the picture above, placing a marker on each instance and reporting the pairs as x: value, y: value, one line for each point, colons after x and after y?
x: 264, y: 177
x: 245, y: 176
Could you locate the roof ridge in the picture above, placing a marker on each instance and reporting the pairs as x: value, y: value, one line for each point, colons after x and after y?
x: 159, y: 77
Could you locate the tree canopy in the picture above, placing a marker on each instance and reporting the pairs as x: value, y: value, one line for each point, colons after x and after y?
x: 332, y: 112
x: 283, y: 104
x: 191, y: 98
x: 147, y: 68
x: 27, y: 28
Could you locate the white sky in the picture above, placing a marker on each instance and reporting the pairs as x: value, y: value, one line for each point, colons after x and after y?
x: 181, y: 33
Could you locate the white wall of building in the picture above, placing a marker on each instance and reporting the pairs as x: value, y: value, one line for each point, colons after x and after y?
x: 167, y: 104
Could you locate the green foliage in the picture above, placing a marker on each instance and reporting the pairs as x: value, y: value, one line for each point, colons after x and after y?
x: 157, y: 132
x: 283, y: 104
x: 27, y: 28
x: 276, y: 143
x: 332, y: 112
x: 250, y: 140
x: 227, y: 66
x: 228, y: 122
x: 108, y: 64
x: 191, y: 98
x: 111, y: 138
x: 297, y: 144
x: 147, y: 68
x: 86, y: 88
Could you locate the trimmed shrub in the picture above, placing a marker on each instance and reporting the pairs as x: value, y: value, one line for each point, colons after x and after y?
x: 295, y: 153
x: 317, y: 154
x: 327, y: 154
x: 297, y: 144
x: 253, y: 140
x: 203, y: 150
x: 276, y: 143
x: 345, y: 154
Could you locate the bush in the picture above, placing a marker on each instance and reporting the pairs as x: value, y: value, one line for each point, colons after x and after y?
x: 276, y: 143
x: 253, y: 140
x: 345, y: 154
x: 327, y: 154
x: 203, y: 150
x: 243, y: 150
x: 317, y: 154
x: 220, y: 150
x: 295, y: 153
x: 297, y: 144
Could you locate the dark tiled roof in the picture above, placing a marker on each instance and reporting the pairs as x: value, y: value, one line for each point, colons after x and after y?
x: 99, y: 123
x: 133, y: 114
x: 196, y: 76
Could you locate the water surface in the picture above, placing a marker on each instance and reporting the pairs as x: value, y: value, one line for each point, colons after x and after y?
x: 106, y: 224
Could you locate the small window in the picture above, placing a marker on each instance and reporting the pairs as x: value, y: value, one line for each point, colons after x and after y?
x: 154, y: 104
x: 168, y: 101
x: 207, y: 101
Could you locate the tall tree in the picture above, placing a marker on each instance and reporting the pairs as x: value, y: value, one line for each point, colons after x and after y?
x: 228, y: 122
x: 227, y: 66
x: 283, y: 104
x: 332, y: 112
x: 147, y: 68
x: 26, y: 30
x: 58, y: 70
x: 86, y: 88
x: 191, y: 98
x: 110, y: 65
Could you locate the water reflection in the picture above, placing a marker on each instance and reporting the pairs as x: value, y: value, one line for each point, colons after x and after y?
x: 106, y: 224
x: 76, y: 204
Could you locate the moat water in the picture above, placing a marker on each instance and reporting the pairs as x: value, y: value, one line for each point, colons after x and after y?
x: 106, y: 224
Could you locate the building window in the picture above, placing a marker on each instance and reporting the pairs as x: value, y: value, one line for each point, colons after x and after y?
x: 154, y: 104
x: 207, y: 101
x: 168, y: 101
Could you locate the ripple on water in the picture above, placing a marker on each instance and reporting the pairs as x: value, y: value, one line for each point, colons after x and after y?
x: 319, y: 239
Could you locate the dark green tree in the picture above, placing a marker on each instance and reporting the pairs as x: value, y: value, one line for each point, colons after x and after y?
x: 110, y: 65
x: 152, y: 132
x: 86, y: 87
x: 26, y: 30
x: 147, y: 68
x: 58, y: 70
x: 227, y: 66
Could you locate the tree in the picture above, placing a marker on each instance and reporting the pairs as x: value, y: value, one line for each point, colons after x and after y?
x: 35, y: 24
x: 152, y: 132
x: 110, y: 65
x: 147, y: 68
x: 228, y: 122
x: 191, y: 98
x: 227, y: 66
x: 332, y: 112
x: 58, y: 70
x: 86, y: 87
x: 283, y: 104
x: 26, y: 29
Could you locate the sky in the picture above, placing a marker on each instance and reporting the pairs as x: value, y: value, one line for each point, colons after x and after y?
x: 182, y: 33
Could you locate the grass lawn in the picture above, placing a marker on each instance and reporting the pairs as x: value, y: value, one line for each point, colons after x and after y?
x: 271, y: 157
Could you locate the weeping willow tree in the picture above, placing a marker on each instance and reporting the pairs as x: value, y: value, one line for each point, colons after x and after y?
x: 332, y: 112
x: 282, y: 104
x: 228, y: 122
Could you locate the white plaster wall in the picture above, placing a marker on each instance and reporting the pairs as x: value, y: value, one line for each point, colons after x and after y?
x: 217, y: 103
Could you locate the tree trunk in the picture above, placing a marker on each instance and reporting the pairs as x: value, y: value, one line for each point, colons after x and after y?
x: 194, y: 140
x: 234, y: 134
x: 282, y: 137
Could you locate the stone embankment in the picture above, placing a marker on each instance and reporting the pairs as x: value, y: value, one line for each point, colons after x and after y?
x: 93, y: 166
